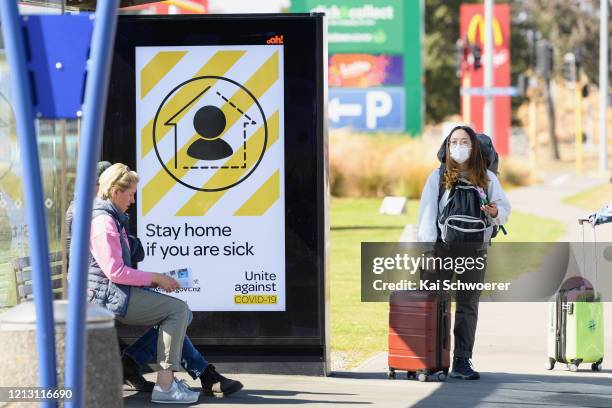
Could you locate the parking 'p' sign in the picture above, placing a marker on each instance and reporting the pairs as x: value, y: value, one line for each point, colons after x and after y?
x: 367, y: 109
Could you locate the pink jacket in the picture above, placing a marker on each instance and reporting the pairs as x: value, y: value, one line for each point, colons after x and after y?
x: 105, y: 247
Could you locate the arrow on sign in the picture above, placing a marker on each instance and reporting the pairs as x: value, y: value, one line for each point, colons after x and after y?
x: 336, y: 109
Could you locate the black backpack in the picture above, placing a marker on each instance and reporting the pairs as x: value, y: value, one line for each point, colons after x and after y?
x: 462, y: 220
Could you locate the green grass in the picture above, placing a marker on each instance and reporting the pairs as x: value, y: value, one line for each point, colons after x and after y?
x: 521, y: 228
x: 359, y: 330
x: 592, y: 199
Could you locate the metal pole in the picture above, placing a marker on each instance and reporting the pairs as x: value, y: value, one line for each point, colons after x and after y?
x: 578, y: 138
x: 12, y: 32
x: 603, y: 85
x: 488, y: 69
x: 63, y: 200
x: 467, y: 99
x: 533, y: 120
x: 89, y: 152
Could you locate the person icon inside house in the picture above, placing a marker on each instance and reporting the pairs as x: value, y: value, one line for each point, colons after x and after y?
x: 209, y: 122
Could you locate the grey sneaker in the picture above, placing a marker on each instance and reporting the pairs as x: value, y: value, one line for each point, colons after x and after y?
x: 175, y: 395
x: 183, y: 384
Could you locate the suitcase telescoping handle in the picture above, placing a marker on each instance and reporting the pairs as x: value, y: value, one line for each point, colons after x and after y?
x: 581, y: 222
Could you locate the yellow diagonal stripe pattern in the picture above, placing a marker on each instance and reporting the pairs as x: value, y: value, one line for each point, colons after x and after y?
x: 157, y: 68
x: 161, y: 183
x: 258, y: 84
x: 217, y: 65
x: 201, y: 202
x: 263, y: 198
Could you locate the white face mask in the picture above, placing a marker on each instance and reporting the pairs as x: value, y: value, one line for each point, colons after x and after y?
x: 460, y: 153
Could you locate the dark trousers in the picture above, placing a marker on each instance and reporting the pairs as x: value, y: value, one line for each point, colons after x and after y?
x: 466, y: 312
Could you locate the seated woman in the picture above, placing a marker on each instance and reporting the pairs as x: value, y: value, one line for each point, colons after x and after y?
x: 146, y: 349
x: 122, y: 290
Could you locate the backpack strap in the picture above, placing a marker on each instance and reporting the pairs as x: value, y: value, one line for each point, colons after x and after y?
x: 441, y: 188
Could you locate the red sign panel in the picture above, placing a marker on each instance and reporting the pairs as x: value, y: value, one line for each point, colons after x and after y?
x: 174, y: 7
x: 472, y: 31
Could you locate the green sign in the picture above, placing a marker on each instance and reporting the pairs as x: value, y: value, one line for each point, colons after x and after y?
x: 362, y: 26
x: 379, y: 27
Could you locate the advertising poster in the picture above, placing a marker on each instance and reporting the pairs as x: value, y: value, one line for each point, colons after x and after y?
x: 364, y: 70
x: 210, y: 154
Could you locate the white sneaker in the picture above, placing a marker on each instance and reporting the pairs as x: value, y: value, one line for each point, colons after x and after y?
x: 183, y: 384
x: 175, y: 395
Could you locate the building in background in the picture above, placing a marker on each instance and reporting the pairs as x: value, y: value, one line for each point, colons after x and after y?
x: 375, y: 63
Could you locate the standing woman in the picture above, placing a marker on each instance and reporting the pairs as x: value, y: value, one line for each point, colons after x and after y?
x: 461, y: 206
x: 113, y: 284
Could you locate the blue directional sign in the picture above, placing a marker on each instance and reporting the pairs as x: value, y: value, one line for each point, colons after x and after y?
x: 367, y: 109
x: 502, y: 91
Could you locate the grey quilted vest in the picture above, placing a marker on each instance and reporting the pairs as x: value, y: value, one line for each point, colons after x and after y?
x: 101, y: 290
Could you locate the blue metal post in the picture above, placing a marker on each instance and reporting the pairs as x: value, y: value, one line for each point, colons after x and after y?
x: 89, y: 152
x: 37, y: 226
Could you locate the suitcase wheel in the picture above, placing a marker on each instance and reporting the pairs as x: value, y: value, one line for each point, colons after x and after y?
x: 550, y: 364
x: 572, y: 367
x: 391, y: 374
x: 441, y: 377
x: 422, y: 377
x: 596, y: 367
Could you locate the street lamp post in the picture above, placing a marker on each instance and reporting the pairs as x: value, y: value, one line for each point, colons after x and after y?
x: 488, y: 69
x: 603, y: 85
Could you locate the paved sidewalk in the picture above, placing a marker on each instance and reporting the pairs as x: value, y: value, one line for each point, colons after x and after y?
x: 546, y: 200
x: 510, y: 354
x: 495, y: 389
x: 510, y: 351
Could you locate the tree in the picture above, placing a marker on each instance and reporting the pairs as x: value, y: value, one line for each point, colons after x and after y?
x: 568, y: 25
x: 441, y: 32
x: 441, y: 83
